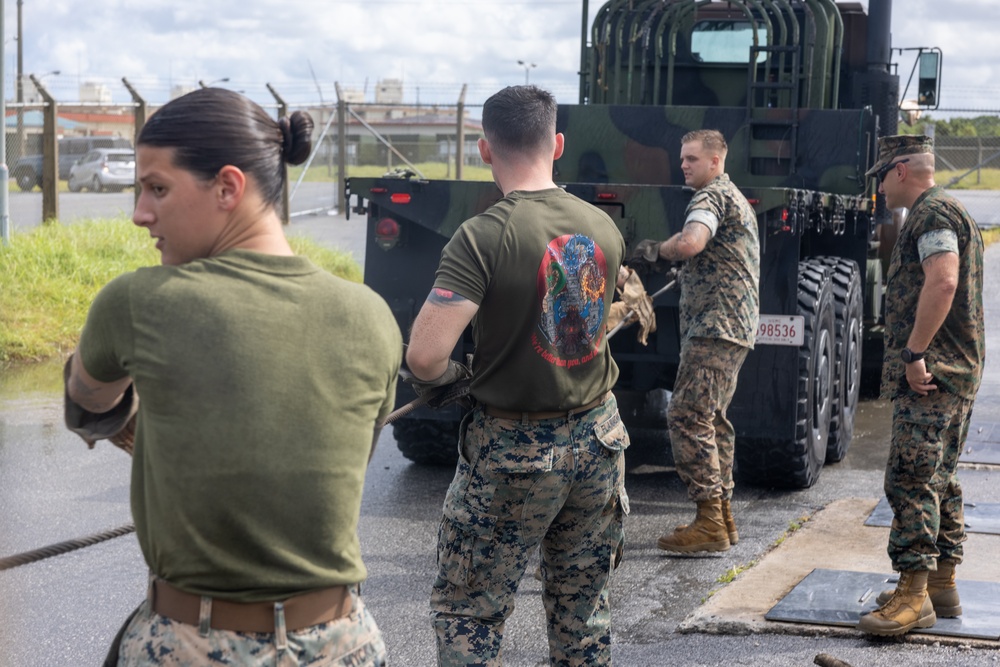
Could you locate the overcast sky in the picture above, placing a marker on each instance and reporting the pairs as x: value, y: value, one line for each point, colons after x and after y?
x: 302, y: 47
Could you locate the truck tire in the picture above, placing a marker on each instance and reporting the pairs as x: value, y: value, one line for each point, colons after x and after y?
x: 848, y: 323
x: 426, y: 441
x: 871, y: 370
x: 797, y: 462
x: 27, y: 179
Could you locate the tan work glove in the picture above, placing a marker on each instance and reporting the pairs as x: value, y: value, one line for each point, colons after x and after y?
x: 634, y: 298
x: 117, y: 425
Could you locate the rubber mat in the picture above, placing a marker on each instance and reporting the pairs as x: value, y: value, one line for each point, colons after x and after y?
x: 840, y: 597
x: 982, y: 445
x: 979, y: 517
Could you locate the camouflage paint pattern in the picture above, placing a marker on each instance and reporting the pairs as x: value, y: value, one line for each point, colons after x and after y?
x: 353, y: 641
x: 958, y: 350
x: 720, y: 285
x: 641, y: 145
x: 702, y: 439
x: 555, y: 482
x: 921, y: 480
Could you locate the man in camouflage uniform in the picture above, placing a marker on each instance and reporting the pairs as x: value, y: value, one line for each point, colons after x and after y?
x: 542, y: 455
x: 718, y: 322
x: 934, y: 353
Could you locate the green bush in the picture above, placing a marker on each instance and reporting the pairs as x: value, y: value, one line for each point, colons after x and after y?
x: 51, y: 274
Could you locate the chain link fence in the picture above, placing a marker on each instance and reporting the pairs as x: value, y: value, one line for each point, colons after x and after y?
x: 969, y: 167
x: 375, y: 139
x: 427, y: 140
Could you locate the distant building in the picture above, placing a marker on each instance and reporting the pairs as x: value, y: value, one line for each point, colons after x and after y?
x: 419, y: 133
x: 179, y: 90
x: 91, y: 92
x: 353, y: 95
x: 389, y: 91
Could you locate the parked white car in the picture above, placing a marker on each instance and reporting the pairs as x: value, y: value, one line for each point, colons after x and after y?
x: 103, y: 169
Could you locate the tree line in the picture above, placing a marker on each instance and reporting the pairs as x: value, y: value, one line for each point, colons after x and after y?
x: 980, y: 126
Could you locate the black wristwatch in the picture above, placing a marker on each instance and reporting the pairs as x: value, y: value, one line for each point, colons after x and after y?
x: 909, y: 356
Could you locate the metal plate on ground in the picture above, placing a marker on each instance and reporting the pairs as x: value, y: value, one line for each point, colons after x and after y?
x: 979, y: 517
x: 839, y: 597
x: 982, y: 445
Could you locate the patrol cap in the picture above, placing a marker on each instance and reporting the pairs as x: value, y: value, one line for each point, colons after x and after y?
x: 890, y: 148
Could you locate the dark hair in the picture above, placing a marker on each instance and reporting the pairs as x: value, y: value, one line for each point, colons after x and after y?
x: 214, y: 127
x: 520, y: 119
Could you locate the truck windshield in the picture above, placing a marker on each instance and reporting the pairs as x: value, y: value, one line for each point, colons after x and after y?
x: 725, y: 41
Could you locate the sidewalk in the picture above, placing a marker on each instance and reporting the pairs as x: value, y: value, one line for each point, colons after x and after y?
x: 837, y: 539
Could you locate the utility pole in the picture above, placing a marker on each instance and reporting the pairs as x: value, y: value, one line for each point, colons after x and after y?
x: 4, y: 172
x: 20, y: 83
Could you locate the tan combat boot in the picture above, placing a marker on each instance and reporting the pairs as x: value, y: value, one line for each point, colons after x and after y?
x: 706, y: 533
x: 909, y: 607
x: 727, y: 517
x: 941, y: 590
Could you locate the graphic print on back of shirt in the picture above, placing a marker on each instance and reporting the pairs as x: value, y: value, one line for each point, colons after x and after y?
x: 571, y: 283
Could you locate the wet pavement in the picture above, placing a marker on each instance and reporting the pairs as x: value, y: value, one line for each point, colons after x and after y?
x: 667, y: 611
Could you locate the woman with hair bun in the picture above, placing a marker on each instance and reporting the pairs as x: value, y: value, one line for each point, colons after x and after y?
x: 262, y: 381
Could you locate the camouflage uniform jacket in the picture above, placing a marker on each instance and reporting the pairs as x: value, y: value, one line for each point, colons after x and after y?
x: 956, y: 354
x: 720, y: 285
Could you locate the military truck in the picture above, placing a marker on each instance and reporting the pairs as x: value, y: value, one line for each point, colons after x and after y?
x: 801, y: 89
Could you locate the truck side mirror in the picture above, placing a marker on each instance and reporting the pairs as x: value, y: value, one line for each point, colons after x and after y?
x: 929, y: 78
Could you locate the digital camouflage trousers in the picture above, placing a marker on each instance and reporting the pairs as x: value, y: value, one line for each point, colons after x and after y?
x: 352, y: 641
x: 702, y: 439
x: 921, y: 480
x: 554, y: 482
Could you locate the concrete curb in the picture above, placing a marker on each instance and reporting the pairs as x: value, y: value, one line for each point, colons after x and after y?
x: 836, y: 538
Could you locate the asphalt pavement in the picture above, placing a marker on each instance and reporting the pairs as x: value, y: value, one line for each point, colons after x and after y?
x: 666, y: 610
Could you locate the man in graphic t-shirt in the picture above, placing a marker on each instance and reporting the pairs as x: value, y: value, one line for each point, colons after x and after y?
x: 542, y: 456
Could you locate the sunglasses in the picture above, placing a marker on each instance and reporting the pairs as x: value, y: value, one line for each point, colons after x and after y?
x: 884, y: 171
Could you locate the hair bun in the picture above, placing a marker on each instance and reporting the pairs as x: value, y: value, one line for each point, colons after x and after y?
x: 296, y: 137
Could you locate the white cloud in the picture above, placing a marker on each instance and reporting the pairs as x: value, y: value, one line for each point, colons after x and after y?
x: 435, y: 46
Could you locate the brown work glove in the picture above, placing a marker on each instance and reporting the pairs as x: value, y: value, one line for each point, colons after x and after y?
x: 117, y: 425
x: 451, y: 387
x: 647, y: 251
x: 634, y: 298
x: 645, y: 259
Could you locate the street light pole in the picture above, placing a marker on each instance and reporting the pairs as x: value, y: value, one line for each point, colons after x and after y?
x: 202, y: 83
x: 527, y: 68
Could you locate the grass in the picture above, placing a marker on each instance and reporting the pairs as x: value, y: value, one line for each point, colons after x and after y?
x: 986, y: 179
x: 792, y: 527
x: 991, y: 235
x: 730, y: 575
x: 52, y: 273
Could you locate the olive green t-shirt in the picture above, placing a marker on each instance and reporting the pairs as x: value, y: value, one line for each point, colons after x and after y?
x: 542, y: 266
x: 260, y: 379
x: 957, y: 352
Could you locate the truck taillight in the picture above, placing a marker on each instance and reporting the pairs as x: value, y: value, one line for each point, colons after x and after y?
x: 387, y: 233
x: 400, y: 198
x: 785, y: 227
x: 378, y: 191
x: 606, y: 195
